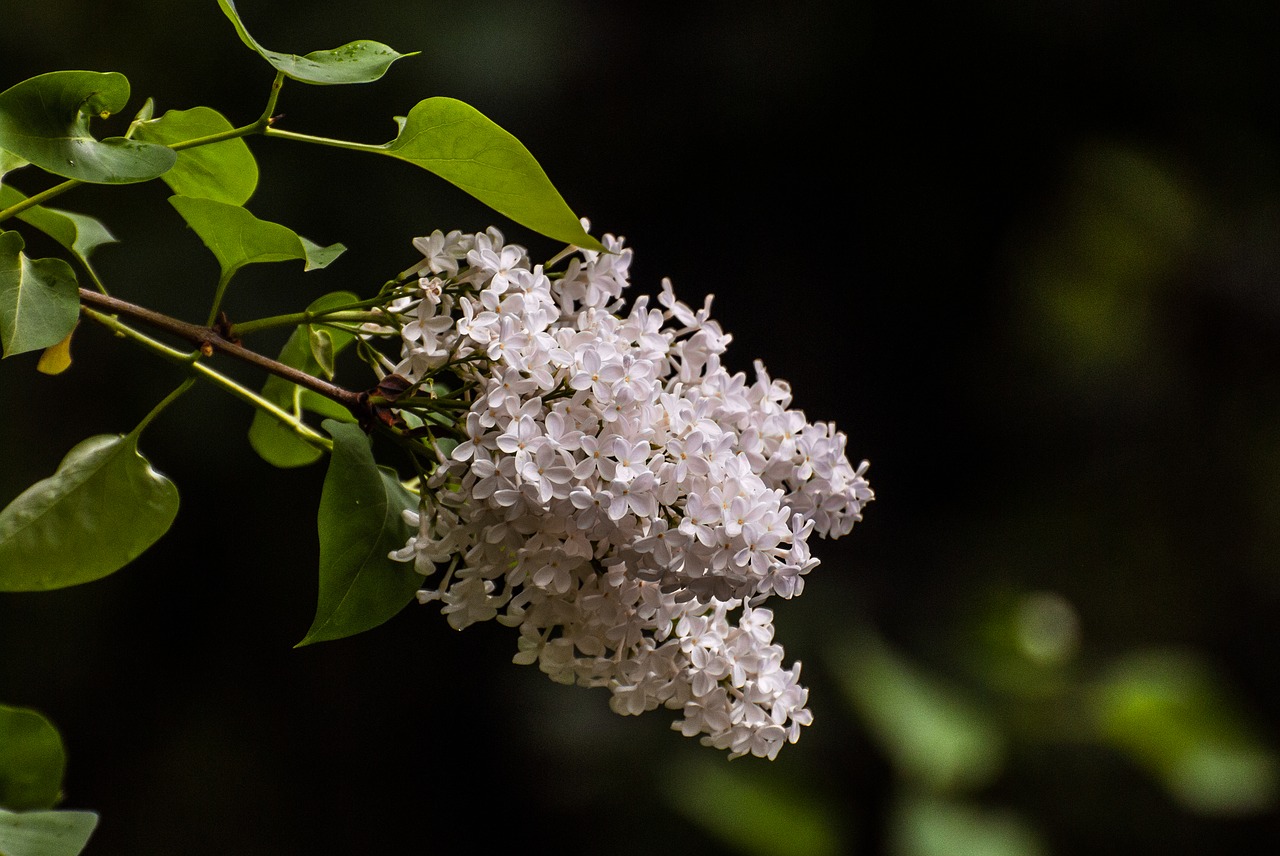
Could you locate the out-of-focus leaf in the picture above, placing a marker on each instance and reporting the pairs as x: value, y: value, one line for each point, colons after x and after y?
x: 39, y: 298
x: 225, y: 171
x: 45, y: 833
x: 358, y: 62
x: 1025, y: 643
x: 103, y: 507
x: 461, y: 145
x: 930, y: 731
x: 752, y: 814
x: 276, y: 442
x: 1172, y: 715
x: 45, y: 120
x: 361, y: 521
x: 32, y: 760
x: 930, y: 826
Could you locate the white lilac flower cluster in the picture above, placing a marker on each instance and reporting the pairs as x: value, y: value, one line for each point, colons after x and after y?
x: 617, y: 494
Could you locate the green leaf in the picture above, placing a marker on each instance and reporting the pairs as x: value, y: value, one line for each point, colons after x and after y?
x: 928, y: 826
x: 754, y: 813
x: 361, y: 520
x: 39, y: 298
x: 45, y: 120
x: 225, y: 171
x: 274, y: 441
x: 78, y: 233
x: 32, y: 760
x: 99, y: 511
x: 45, y: 833
x: 56, y: 359
x: 237, y: 238
x: 8, y: 163
x: 458, y: 143
x: 1169, y: 713
x: 932, y: 733
x: 358, y: 62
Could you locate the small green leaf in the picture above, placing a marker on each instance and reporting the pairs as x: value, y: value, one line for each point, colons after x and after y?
x: 45, y: 120
x: 358, y: 62
x: 45, y: 833
x: 32, y: 760
x: 461, y: 145
x: 361, y: 521
x: 39, y: 298
x: 1173, y: 716
x: 274, y: 441
x: 237, y: 238
x: 225, y: 171
x: 79, y: 233
x: 99, y: 511
x: 321, y: 341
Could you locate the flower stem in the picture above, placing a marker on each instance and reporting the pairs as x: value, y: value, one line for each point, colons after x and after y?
x: 192, y: 362
x: 159, y: 408
x: 41, y: 197
x: 210, y: 341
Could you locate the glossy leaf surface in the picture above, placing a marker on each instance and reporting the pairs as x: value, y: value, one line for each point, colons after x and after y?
x: 357, y: 62
x: 99, y: 511
x: 45, y: 120
x: 39, y: 298
x: 360, y: 522
x: 461, y: 145
x: 225, y: 171
x: 237, y: 238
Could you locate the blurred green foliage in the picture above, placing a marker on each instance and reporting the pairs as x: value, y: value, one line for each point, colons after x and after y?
x: 1038, y: 283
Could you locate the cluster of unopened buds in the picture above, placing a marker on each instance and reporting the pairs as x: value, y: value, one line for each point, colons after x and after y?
x: 611, y: 490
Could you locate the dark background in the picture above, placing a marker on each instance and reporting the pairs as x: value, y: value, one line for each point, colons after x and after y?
x: 1024, y: 254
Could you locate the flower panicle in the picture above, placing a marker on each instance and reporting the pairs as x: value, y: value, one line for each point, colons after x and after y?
x: 618, y: 496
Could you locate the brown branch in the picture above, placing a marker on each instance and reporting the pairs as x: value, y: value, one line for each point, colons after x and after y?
x: 211, y: 341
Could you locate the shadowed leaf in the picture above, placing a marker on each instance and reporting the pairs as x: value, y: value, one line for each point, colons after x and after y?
x: 32, y: 760
x: 361, y: 521
x: 39, y: 298
x: 99, y: 511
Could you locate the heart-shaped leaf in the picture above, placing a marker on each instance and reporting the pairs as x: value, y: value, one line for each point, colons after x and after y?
x: 45, y: 833
x: 361, y: 521
x: 357, y: 62
x: 274, y: 441
x: 464, y: 147
x: 45, y: 120
x: 39, y: 298
x: 225, y: 171
x: 237, y: 238
x: 99, y: 511
x: 32, y: 760
x: 79, y: 233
